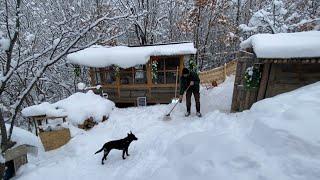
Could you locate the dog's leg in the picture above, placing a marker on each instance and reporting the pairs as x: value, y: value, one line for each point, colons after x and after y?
x: 127, y: 152
x: 123, y: 152
x: 106, y: 152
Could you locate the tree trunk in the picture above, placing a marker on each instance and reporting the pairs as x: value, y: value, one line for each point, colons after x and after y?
x: 4, y: 137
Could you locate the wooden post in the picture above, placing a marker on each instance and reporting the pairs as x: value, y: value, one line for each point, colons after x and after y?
x: 35, y: 126
x: 264, y: 81
x: 225, y: 71
x: 177, y: 75
x: 149, y: 76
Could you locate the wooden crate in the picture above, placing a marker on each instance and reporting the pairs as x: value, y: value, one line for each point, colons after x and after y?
x: 54, y: 139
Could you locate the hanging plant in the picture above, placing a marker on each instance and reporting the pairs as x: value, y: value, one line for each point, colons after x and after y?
x: 193, y: 65
x: 154, y: 68
x: 77, y: 71
x: 252, y: 77
x: 117, y: 71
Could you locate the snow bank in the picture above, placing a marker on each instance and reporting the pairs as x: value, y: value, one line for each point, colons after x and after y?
x: 126, y: 57
x: 22, y: 136
x: 296, y: 112
x: 285, y: 45
x: 78, y: 107
x: 277, y: 139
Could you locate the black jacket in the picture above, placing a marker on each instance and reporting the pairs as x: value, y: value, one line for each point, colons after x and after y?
x: 185, y: 81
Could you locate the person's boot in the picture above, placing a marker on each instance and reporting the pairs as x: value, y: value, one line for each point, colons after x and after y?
x: 187, y: 114
x: 199, y: 114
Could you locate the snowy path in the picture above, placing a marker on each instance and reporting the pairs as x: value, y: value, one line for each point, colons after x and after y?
x: 219, y: 145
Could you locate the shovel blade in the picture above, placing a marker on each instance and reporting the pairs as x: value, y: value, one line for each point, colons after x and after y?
x: 167, y: 117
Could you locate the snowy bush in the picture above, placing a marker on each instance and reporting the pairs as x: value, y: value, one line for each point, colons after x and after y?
x: 252, y: 77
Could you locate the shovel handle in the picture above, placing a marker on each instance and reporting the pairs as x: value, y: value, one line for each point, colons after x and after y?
x: 176, y: 103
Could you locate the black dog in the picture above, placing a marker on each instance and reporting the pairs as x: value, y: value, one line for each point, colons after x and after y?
x: 122, y: 144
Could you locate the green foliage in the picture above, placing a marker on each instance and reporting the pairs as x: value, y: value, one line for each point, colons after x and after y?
x: 154, y: 67
x: 193, y: 67
x: 77, y: 71
x: 252, y: 77
x: 117, y: 71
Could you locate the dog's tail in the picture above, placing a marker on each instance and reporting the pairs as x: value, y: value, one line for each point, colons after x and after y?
x: 99, y: 151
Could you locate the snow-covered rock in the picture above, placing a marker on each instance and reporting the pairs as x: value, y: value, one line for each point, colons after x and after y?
x: 125, y: 57
x: 284, y: 45
x: 77, y: 107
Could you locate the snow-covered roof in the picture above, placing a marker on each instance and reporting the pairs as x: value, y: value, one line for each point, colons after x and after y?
x: 284, y: 45
x: 124, y: 56
x: 77, y: 107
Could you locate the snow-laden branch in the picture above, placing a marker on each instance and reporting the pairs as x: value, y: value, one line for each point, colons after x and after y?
x: 16, y: 106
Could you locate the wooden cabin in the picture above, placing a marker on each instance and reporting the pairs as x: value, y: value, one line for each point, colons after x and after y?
x: 284, y: 66
x: 155, y: 79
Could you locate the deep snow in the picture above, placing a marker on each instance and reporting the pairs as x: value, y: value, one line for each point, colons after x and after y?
x: 78, y: 107
x: 284, y: 45
x: 276, y: 139
x: 124, y: 56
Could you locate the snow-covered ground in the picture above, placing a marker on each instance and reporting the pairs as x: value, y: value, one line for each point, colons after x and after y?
x: 276, y: 139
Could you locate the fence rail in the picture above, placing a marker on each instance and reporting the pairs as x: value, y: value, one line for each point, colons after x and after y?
x: 218, y: 74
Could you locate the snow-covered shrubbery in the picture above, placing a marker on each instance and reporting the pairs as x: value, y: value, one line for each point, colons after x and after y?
x: 78, y: 107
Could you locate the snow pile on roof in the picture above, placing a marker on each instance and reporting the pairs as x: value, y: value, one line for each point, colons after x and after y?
x: 285, y: 45
x: 78, y: 107
x: 126, y: 57
x: 42, y: 109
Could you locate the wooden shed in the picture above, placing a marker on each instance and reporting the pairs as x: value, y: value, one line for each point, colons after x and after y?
x: 128, y: 73
x: 16, y: 157
x: 282, y: 63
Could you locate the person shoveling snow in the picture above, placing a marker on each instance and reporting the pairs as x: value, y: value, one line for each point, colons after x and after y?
x: 190, y: 82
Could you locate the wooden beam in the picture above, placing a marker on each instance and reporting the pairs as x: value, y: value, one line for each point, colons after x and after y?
x: 264, y: 81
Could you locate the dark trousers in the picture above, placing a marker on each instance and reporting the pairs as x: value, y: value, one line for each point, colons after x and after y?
x: 196, y: 95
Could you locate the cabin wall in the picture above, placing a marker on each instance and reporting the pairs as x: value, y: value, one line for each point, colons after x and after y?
x: 278, y: 76
x: 287, y: 77
x: 156, y: 92
x: 243, y: 99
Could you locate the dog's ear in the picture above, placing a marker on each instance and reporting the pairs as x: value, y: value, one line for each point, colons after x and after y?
x: 130, y: 132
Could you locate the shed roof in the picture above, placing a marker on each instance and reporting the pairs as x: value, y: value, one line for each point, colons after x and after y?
x: 125, y: 57
x: 285, y: 45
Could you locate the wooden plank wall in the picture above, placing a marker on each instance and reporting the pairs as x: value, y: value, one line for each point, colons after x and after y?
x: 243, y: 99
x: 288, y: 77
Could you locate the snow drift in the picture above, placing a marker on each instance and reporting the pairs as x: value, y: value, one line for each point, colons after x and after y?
x: 78, y: 107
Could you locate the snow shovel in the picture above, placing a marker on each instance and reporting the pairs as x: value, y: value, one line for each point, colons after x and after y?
x: 167, y: 116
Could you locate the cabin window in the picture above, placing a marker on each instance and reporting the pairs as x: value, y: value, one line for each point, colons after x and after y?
x: 140, y: 75
x: 126, y: 76
x: 110, y: 75
x: 97, y: 76
x: 134, y: 75
x: 167, y: 70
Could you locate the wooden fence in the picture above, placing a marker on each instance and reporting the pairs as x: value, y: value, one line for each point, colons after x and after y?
x: 218, y: 74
